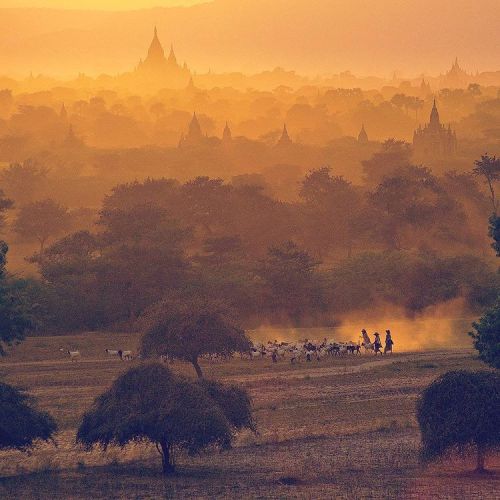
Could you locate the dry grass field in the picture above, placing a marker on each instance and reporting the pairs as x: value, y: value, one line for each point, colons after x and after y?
x: 340, y: 428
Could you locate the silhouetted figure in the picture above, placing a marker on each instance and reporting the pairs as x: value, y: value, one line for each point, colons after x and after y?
x: 274, y: 357
x: 388, y: 342
x: 366, y: 338
x: 377, y: 344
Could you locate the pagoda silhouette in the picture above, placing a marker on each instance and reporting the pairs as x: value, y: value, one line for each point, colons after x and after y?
x: 161, y: 70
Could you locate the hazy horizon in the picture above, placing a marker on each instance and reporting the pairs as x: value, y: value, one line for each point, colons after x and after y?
x: 253, y: 36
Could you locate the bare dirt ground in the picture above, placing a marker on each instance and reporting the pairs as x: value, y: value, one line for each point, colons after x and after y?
x: 340, y: 428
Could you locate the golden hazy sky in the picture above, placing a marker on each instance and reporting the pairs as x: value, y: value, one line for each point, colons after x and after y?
x: 99, y: 4
x: 368, y: 37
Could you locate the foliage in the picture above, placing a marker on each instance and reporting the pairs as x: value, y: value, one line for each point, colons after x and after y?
x: 231, y: 242
x: 291, y: 284
x: 5, y: 204
x: 393, y: 155
x: 19, y: 313
x: 412, y: 199
x: 151, y: 403
x: 21, y: 423
x: 458, y: 410
x: 488, y: 167
x: 486, y: 336
x: 410, y: 280
x: 41, y: 220
x: 187, y: 330
x: 494, y: 232
x: 25, y: 182
x: 332, y: 209
x: 233, y: 400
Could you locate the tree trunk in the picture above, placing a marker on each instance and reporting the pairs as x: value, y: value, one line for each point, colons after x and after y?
x: 42, y: 249
x: 480, y: 459
x: 197, y: 368
x: 166, y: 459
x: 493, y: 200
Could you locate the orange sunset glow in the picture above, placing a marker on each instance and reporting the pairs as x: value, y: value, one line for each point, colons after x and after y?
x: 249, y: 249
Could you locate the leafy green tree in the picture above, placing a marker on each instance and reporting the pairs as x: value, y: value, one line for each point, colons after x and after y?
x: 460, y: 410
x: 18, y: 314
x: 486, y: 336
x: 150, y: 403
x: 187, y: 330
x: 42, y: 220
x: 22, y: 424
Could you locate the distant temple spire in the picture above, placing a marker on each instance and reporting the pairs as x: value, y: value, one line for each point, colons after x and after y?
x: 155, y: 51
x: 194, y: 132
x: 71, y: 140
x: 191, y: 86
x: 285, y: 138
x: 63, y: 113
x: 434, y: 120
x: 226, y: 135
x: 157, y: 70
x: 362, y: 136
x: 194, y: 136
x: 172, y: 60
x: 434, y: 141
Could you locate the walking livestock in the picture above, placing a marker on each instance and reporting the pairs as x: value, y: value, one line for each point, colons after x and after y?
x: 125, y: 355
x: 73, y: 355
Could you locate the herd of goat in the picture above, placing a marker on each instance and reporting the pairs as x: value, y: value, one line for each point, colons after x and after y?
x: 302, y: 350
x: 308, y: 350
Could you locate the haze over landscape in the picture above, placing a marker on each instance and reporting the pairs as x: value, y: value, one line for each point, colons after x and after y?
x: 369, y: 38
x: 249, y: 249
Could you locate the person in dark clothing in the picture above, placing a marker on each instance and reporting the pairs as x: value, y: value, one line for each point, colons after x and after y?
x: 388, y: 342
x: 377, y: 343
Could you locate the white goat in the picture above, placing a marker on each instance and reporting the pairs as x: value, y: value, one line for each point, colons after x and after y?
x: 73, y: 355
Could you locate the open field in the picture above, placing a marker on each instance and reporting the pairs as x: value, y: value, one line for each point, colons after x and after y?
x: 342, y: 428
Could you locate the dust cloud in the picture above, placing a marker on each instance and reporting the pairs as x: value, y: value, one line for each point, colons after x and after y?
x: 445, y: 326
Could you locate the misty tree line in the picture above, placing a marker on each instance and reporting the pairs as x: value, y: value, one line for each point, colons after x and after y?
x: 406, y: 237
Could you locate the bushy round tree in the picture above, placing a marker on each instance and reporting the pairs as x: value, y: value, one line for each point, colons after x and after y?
x: 151, y: 403
x: 191, y: 329
x: 486, y: 336
x: 22, y: 424
x: 234, y: 402
x: 460, y: 410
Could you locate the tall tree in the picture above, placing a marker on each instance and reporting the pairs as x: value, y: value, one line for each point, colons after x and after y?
x: 332, y: 211
x: 42, y: 220
x: 188, y: 330
x: 18, y: 314
x: 488, y: 167
x: 292, y: 287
